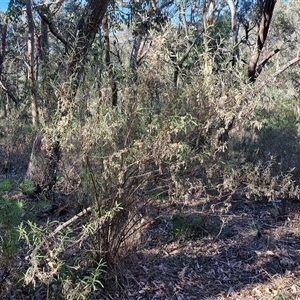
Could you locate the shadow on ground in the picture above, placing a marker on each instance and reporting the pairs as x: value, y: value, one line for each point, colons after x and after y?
x: 247, y: 249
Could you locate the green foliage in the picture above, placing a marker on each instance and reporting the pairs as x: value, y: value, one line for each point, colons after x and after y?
x: 27, y: 187
x: 84, y: 285
x: 14, y: 10
x: 5, y: 185
x: 11, y: 216
x: 75, y: 275
x: 188, y: 226
x: 279, y: 114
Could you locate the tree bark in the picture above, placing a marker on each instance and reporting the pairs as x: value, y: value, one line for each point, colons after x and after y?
x: 43, y: 164
x: 30, y: 66
x: 208, y: 13
x: 208, y: 23
x: 263, y: 28
x: 3, y: 43
x: 108, y: 63
x: 86, y: 30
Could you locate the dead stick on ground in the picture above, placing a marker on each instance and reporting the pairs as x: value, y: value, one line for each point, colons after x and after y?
x: 70, y: 221
x: 59, y: 228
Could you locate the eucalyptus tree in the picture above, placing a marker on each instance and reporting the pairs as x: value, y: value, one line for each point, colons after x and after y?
x: 61, y: 34
x: 263, y: 25
x: 44, y: 160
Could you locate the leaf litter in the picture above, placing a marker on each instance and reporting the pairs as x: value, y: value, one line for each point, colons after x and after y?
x: 243, y: 253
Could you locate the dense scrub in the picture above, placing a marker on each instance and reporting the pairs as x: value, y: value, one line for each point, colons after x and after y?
x: 181, y: 131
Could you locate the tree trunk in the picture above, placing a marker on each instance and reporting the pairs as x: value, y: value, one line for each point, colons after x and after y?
x: 46, y: 153
x: 208, y: 23
x: 263, y: 28
x: 234, y: 31
x: 108, y: 63
x: 42, y: 168
x: 86, y: 30
x: 3, y: 43
x: 208, y: 13
x: 30, y: 66
x: 3, y: 84
x: 43, y: 164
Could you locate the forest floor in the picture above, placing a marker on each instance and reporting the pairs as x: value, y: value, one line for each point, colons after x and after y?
x: 213, y: 249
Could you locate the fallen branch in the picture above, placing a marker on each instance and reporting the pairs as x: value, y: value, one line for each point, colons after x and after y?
x: 101, y: 220
x: 58, y: 229
x: 70, y: 221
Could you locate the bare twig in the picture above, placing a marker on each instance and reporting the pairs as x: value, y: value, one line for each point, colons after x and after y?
x: 220, y: 231
x: 265, y: 61
x: 287, y: 65
x: 283, y: 68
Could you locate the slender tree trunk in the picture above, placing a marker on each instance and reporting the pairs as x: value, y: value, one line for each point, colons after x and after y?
x: 133, y: 58
x: 46, y: 153
x: 208, y: 13
x: 30, y: 67
x: 3, y: 84
x: 108, y: 63
x: 3, y: 43
x: 234, y: 32
x: 139, y: 48
x: 208, y: 22
x: 42, y: 168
